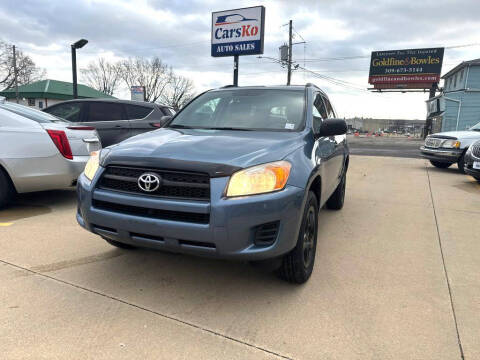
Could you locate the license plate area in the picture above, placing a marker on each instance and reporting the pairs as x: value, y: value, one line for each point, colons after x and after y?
x: 476, y: 165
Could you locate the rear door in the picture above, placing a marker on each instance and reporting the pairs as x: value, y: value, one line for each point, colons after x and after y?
x: 143, y: 118
x: 109, y: 119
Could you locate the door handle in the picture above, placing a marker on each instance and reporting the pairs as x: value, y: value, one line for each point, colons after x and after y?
x: 91, y: 140
x: 118, y: 126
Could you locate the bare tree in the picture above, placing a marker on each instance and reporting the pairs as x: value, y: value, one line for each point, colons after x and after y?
x: 27, y: 71
x: 102, y: 75
x: 178, y: 92
x: 151, y: 73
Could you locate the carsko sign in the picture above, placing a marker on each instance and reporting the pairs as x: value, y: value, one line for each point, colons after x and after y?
x: 411, y: 69
x: 238, y: 31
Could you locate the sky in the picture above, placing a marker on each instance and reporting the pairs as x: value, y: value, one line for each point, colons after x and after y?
x: 179, y: 33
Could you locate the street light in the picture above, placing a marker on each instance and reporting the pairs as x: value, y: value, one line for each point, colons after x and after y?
x: 78, y: 45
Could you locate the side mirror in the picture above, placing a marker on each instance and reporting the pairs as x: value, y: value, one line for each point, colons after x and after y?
x: 332, y: 127
x: 163, y: 120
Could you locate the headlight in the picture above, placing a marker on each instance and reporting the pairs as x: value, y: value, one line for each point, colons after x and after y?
x: 259, y: 179
x: 451, y: 144
x: 92, y: 165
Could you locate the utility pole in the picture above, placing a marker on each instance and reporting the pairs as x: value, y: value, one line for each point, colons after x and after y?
x: 428, y: 123
x: 15, y: 74
x: 290, y: 35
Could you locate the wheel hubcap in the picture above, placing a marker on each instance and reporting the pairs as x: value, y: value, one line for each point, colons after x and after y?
x: 309, y: 237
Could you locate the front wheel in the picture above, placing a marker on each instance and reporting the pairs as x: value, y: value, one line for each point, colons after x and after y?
x: 297, y: 265
x: 440, y: 165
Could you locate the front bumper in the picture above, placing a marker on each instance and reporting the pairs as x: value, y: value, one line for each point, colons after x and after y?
x: 441, y: 155
x: 469, y: 160
x: 229, y: 233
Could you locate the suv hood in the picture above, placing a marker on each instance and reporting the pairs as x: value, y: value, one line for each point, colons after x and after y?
x: 217, y: 152
x: 467, y: 134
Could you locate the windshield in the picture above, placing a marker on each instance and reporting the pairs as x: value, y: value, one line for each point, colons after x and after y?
x: 244, y: 109
x: 32, y: 114
x: 475, y: 127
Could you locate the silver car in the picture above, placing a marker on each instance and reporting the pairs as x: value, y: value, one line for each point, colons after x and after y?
x: 39, y: 151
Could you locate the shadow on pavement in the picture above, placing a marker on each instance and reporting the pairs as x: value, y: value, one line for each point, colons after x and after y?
x: 37, y: 203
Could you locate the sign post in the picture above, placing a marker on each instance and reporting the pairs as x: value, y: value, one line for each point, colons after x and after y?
x: 238, y: 32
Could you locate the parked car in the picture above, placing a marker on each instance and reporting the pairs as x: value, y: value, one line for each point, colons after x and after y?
x: 115, y: 120
x: 240, y: 172
x: 39, y: 151
x: 447, y: 148
x: 472, y: 160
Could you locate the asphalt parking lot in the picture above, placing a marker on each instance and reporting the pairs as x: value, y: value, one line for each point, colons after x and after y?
x: 396, y: 277
x: 398, y: 146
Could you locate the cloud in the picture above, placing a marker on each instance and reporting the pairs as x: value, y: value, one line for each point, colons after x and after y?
x: 179, y: 32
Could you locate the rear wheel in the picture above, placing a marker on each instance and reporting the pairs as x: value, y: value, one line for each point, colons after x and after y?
x: 461, y: 164
x: 119, y: 244
x: 7, y: 191
x: 336, y: 200
x: 297, y: 265
x: 440, y: 165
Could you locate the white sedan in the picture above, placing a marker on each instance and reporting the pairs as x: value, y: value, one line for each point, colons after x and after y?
x: 39, y: 151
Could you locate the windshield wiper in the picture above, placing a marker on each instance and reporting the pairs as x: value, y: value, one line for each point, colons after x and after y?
x: 179, y: 126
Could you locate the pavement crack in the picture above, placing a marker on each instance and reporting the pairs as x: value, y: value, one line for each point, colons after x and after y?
x: 445, y: 267
x: 139, y: 307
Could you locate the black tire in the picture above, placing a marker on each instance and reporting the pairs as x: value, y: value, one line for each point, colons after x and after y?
x: 440, y: 165
x: 336, y: 200
x: 461, y: 164
x: 119, y: 244
x: 7, y: 191
x: 477, y: 178
x: 297, y: 265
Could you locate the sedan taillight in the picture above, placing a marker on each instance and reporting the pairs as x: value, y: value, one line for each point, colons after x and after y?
x: 60, y: 140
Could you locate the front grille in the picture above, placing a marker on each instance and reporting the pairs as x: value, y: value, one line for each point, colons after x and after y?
x: 433, y: 142
x: 476, y: 149
x: 152, y: 213
x: 266, y: 234
x: 174, y: 184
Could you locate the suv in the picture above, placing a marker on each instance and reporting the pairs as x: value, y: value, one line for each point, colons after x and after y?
x: 115, y: 120
x: 447, y: 148
x: 240, y: 172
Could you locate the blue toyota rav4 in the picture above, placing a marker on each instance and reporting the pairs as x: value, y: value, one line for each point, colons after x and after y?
x: 240, y: 172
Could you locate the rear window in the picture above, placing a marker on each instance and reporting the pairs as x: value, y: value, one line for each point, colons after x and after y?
x: 32, y: 114
x: 137, y: 111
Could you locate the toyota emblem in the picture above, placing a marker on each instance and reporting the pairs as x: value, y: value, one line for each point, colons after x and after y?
x: 149, y: 182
